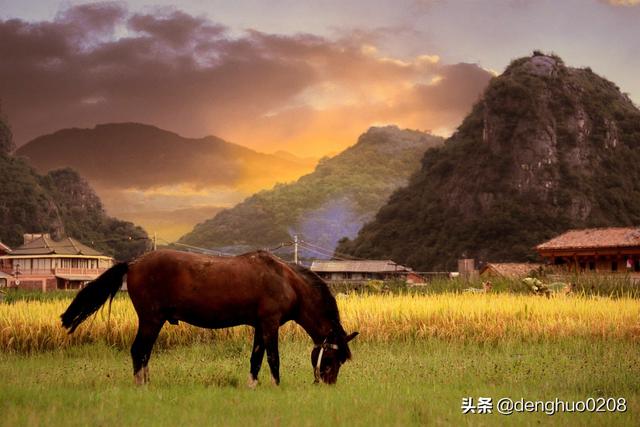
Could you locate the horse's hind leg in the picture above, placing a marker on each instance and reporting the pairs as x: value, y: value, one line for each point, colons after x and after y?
x: 270, y: 337
x: 257, y: 354
x: 141, y: 349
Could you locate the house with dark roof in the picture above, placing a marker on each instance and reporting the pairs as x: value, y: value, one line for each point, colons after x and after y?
x: 45, y: 264
x: 612, y: 249
x: 361, y: 270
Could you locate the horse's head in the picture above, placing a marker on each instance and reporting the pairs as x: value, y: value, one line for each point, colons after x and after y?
x: 328, y: 357
x: 319, y: 312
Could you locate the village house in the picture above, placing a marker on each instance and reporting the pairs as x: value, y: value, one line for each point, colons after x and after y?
x: 4, y: 277
x: 358, y: 271
x: 602, y: 250
x: 508, y: 270
x: 42, y: 263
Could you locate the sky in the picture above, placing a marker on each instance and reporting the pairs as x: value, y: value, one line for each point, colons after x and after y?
x: 303, y: 76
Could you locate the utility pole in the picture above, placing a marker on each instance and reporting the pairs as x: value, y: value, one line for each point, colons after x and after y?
x: 155, y: 238
x: 295, y: 249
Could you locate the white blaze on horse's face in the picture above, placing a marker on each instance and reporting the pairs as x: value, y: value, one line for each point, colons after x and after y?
x: 327, y: 358
x: 326, y: 364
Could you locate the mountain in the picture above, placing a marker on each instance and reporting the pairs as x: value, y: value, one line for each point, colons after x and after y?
x: 309, y: 161
x: 334, y: 201
x: 139, y: 169
x: 172, y: 223
x: 60, y: 203
x: 547, y: 148
x: 142, y: 156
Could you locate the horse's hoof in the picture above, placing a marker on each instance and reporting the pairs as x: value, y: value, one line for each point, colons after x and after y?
x: 253, y: 382
x: 275, y: 381
x: 139, y: 378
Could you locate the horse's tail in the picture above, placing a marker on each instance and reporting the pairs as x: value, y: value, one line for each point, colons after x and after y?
x: 93, y: 296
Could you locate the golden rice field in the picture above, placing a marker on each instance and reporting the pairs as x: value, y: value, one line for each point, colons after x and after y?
x: 27, y: 327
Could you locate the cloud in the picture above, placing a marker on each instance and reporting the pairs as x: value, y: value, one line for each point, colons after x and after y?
x: 624, y: 2
x: 101, y: 63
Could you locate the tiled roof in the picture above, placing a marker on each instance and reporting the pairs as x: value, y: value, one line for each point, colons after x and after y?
x: 76, y: 277
x: 510, y: 269
x: 364, y: 266
x: 594, y: 238
x: 45, y: 245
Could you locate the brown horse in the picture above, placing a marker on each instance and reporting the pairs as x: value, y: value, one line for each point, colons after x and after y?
x: 256, y: 289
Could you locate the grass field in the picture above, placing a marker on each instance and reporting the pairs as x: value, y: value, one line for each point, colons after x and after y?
x: 416, y: 358
x: 419, y: 383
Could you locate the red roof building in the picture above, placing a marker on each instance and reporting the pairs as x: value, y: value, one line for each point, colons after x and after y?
x: 42, y: 263
x: 612, y: 249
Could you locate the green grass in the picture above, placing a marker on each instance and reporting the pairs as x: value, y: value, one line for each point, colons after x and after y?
x: 395, y: 383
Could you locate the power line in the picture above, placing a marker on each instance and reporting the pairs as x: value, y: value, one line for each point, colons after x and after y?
x: 323, y: 252
x: 316, y: 249
x: 318, y: 252
x: 280, y: 246
x: 204, y: 250
x: 122, y: 239
x: 311, y: 247
x: 93, y: 242
x: 333, y: 252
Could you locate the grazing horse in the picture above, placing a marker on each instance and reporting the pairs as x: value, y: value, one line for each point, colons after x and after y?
x: 256, y: 289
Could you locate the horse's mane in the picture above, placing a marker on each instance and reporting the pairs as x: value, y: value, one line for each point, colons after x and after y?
x: 329, y: 304
x: 330, y: 307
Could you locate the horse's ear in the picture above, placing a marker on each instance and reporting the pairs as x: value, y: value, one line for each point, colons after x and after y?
x: 351, y: 336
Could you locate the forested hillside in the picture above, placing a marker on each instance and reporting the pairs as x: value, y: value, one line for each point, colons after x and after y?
x: 60, y: 203
x: 332, y: 202
x: 547, y: 148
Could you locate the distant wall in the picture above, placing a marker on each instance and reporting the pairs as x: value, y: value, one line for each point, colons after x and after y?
x: 467, y: 268
x: 43, y: 285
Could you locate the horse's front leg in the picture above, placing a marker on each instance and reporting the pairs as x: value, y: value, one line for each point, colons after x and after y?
x: 257, y: 354
x: 270, y: 338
